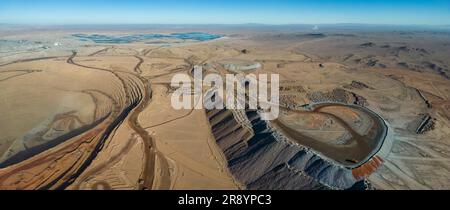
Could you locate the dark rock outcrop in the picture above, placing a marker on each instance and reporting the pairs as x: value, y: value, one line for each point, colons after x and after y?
x: 261, y: 158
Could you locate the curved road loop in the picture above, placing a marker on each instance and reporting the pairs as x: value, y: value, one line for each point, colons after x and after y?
x: 356, y: 151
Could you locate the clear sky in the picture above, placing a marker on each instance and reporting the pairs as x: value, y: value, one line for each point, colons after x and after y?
x: 407, y: 12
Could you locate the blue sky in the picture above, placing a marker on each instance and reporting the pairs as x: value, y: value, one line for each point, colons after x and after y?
x: 405, y: 12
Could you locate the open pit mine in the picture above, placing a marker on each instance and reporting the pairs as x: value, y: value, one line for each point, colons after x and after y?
x: 91, y: 110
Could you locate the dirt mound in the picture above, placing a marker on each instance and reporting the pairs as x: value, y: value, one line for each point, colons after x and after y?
x: 262, y: 158
x: 368, y: 44
x: 357, y: 85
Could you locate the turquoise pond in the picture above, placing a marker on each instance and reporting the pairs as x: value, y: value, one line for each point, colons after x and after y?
x: 108, y: 39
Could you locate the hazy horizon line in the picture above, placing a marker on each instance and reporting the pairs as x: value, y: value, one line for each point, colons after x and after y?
x: 225, y: 24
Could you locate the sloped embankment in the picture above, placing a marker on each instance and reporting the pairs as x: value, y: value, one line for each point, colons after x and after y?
x: 118, y: 97
x: 261, y: 158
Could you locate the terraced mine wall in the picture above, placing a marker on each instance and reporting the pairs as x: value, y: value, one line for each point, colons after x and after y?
x: 263, y: 159
x: 23, y: 155
x: 59, y: 162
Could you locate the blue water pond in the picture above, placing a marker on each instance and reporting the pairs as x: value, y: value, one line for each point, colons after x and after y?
x: 109, y: 39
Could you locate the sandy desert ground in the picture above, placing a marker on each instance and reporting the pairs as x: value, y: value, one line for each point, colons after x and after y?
x: 91, y: 109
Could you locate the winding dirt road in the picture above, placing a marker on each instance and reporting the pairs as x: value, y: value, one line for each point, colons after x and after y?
x: 149, y: 144
x: 359, y: 148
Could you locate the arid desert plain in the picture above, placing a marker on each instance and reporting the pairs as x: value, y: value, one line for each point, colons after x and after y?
x: 361, y: 107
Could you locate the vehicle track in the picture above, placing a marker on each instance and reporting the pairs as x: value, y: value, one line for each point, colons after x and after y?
x: 100, y: 51
x: 137, y: 68
x: 98, y: 137
x: 25, y: 72
x: 31, y: 59
x: 149, y: 144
